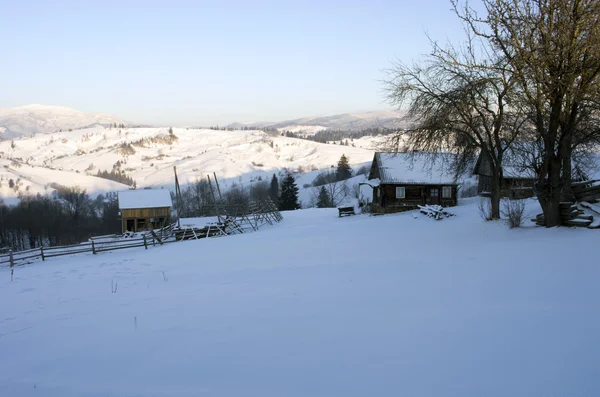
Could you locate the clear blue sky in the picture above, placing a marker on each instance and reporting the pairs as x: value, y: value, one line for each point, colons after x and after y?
x: 194, y: 62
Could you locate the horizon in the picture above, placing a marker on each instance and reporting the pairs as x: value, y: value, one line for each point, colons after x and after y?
x: 227, y: 123
x: 206, y: 64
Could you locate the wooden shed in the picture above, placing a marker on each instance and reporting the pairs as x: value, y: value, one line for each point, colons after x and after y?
x: 517, y: 179
x: 401, y: 181
x: 144, y: 209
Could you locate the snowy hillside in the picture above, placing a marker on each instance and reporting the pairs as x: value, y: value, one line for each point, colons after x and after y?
x: 346, y: 121
x: 41, y: 119
x: 31, y: 180
x: 314, y: 306
x: 149, y: 154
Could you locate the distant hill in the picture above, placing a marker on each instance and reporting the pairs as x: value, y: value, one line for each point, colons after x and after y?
x: 41, y: 119
x: 346, y: 121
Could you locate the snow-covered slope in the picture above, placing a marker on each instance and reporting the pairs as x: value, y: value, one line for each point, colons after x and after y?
x: 18, y: 178
x: 345, y: 121
x: 314, y: 306
x: 34, y: 119
x: 149, y: 154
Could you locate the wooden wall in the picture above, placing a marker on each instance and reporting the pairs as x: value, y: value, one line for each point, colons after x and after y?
x: 143, y: 213
x: 512, y: 188
x: 414, y: 195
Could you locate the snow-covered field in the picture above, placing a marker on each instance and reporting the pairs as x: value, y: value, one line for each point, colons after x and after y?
x: 314, y: 306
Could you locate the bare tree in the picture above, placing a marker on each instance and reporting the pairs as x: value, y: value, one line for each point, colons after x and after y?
x: 336, y: 192
x: 552, y: 51
x: 459, y: 99
x: 78, y: 204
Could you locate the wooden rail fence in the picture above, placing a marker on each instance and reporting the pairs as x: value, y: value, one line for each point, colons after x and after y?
x: 94, y: 246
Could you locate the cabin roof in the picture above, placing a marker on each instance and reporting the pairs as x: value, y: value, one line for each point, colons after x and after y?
x: 516, y: 161
x: 411, y: 169
x: 144, y: 198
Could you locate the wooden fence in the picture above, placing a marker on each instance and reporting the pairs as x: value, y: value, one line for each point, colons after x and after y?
x: 94, y: 246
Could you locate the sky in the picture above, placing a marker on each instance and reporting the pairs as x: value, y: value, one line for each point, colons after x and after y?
x: 212, y: 62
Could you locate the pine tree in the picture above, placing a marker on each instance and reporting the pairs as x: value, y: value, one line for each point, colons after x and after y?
x: 274, y: 189
x: 343, y: 169
x: 170, y: 130
x: 323, y: 201
x: 289, y: 194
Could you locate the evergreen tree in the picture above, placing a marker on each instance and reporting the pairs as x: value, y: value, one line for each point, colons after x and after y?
x: 170, y: 130
x: 343, y: 169
x: 323, y: 201
x: 274, y: 189
x: 289, y: 194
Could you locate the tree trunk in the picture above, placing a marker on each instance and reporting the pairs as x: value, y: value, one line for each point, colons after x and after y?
x: 495, y: 197
x: 567, y: 189
x: 549, y: 194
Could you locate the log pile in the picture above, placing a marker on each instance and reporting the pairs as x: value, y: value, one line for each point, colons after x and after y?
x: 436, y: 212
x: 586, y: 190
x: 570, y: 215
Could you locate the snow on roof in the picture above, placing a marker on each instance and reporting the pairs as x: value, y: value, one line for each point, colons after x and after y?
x: 413, y: 168
x: 144, y: 198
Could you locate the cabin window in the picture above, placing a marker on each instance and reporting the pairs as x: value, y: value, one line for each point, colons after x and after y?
x: 400, y: 192
x: 447, y: 192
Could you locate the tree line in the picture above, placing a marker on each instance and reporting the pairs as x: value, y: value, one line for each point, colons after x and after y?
x: 70, y: 216
x: 325, y: 136
x: 202, y: 198
x: 116, y: 175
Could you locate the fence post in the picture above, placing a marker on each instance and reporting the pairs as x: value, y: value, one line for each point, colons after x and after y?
x: 153, y: 242
x: 42, y: 252
x: 12, y: 259
x: 93, y: 248
x: 145, y: 242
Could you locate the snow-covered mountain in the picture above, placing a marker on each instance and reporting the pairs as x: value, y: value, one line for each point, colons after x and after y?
x: 34, y: 119
x: 148, y: 155
x: 350, y: 121
x: 346, y: 121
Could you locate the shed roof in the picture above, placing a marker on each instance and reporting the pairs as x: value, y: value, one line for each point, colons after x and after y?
x: 144, y: 198
x: 516, y: 162
x: 412, y: 169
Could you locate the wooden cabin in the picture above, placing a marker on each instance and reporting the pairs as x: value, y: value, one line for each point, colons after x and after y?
x: 144, y: 209
x: 517, y: 181
x: 401, y: 181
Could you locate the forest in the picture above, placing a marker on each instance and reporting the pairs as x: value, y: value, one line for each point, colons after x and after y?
x: 69, y: 216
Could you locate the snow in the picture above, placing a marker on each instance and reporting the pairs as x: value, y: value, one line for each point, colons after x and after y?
x: 306, y: 130
x: 198, y: 222
x: 144, y: 198
x: 350, y: 121
x: 30, y: 179
x: 314, y: 306
x: 413, y: 169
x: 36, y: 119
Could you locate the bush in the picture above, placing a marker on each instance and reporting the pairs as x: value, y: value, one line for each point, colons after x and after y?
x: 485, y: 209
x: 513, y: 211
x: 324, y: 178
x: 364, y: 170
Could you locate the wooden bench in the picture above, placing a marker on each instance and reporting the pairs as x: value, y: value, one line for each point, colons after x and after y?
x: 345, y: 211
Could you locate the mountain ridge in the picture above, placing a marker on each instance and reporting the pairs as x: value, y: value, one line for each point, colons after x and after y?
x: 43, y: 119
x: 35, y: 119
